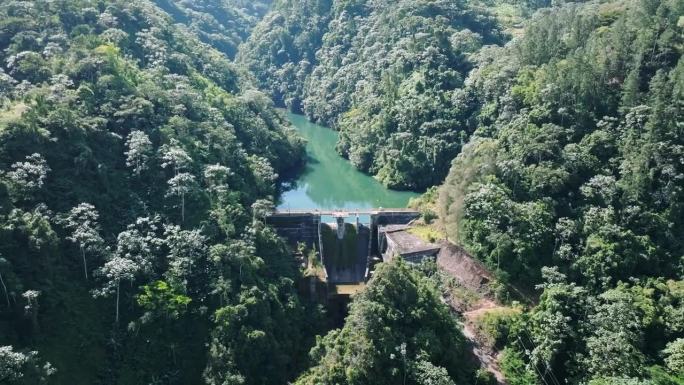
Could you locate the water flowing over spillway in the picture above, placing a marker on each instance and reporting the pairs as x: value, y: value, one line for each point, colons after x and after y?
x: 331, y: 182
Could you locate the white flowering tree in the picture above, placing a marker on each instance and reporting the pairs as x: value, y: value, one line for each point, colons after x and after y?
x: 6, y: 86
x: 16, y: 366
x: 187, y: 248
x: 139, y: 150
x: 142, y: 243
x: 674, y: 355
x: 181, y: 185
x: 114, y: 271
x: 261, y: 208
x: 31, y: 307
x: 216, y: 177
x: 263, y: 172
x: 83, y: 222
x: 175, y: 157
x: 28, y: 176
x: 12, y: 364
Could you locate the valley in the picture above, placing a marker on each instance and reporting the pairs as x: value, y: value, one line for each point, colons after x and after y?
x: 341, y: 192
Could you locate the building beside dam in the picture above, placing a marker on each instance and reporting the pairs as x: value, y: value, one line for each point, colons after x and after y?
x: 397, y: 240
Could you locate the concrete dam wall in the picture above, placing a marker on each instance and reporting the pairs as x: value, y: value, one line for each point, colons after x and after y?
x: 344, y: 242
x: 295, y: 228
x: 344, y: 251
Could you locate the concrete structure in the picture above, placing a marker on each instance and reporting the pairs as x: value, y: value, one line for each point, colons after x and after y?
x: 344, y: 248
x: 397, y: 240
x: 295, y: 228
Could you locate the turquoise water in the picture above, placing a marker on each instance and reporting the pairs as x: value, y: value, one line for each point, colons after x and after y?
x: 330, y: 182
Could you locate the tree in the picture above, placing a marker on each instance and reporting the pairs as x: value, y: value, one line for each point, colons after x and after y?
x: 175, y: 157
x: 142, y: 242
x: 17, y: 367
x: 181, y: 185
x: 32, y: 305
x: 114, y: 271
x: 216, y: 177
x: 29, y: 176
x: 264, y: 174
x: 674, y: 356
x: 555, y: 326
x: 187, y: 253
x: 12, y: 363
x: 82, y: 220
x: 618, y: 330
x: 426, y: 373
x: 261, y: 208
x: 139, y: 150
x: 6, y: 86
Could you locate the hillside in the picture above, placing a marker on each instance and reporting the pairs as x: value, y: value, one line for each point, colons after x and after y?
x: 573, y: 181
x: 143, y: 147
x: 386, y: 74
x: 132, y: 158
x: 223, y: 24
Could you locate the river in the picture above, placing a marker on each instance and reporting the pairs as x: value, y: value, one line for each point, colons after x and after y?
x: 331, y: 182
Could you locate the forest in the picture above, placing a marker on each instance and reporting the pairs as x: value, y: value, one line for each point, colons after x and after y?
x: 143, y: 143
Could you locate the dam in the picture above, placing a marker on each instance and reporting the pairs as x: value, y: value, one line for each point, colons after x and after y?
x: 346, y: 242
x: 337, y: 213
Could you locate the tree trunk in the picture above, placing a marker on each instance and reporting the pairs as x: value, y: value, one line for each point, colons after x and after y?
x: 85, y: 265
x: 5, y: 289
x: 182, y: 208
x: 117, y: 302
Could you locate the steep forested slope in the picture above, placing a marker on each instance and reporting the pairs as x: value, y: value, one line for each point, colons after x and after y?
x: 387, y: 74
x: 282, y: 50
x: 224, y: 24
x: 391, y: 73
x: 398, y: 332
x: 135, y: 162
x: 582, y: 128
x: 577, y: 163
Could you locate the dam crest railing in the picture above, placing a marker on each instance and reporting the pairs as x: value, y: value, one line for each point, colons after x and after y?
x: 345, y: 212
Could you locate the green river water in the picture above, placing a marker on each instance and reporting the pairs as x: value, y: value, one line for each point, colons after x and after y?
x: 330, y: 182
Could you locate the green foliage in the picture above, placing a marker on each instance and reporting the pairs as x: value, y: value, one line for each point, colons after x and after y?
x: 495, y: 325
x: 160, y: 299
x: 131, y: 149
x: 427, y: 233
x: 222, y: 24
x: 134, y: 148
x: 282, y: 48
x: 387, y: 74
x: 515, y: 369
x: 398, y: 331
x: 567, y: 169
x: 426, y: 204
x: 562, y: 168
x: 674, y: 356
x: 485, y: 377
x: 659, y: 376
x: 260, y: 334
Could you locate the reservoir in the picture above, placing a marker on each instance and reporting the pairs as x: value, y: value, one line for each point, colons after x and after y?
x: 330, y: 182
